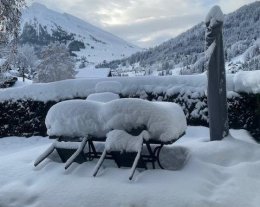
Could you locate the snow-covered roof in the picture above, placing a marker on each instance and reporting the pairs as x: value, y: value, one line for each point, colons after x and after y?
x: 77, y: 118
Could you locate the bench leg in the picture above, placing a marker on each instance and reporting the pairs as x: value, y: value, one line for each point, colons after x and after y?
x: 75, y: 154
x: 137, y: 158
x: 100, y: 162
x: 91, y: 150
x: 157, y: 151
x: 44, y: 155
x: 152, y: 154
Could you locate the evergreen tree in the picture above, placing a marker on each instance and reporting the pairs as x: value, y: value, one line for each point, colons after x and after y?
x: 61, y: 36
x: 29, y: 35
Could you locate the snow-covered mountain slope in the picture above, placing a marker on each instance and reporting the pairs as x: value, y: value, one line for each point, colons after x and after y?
x: 241, y: 34
x: 99, y: 45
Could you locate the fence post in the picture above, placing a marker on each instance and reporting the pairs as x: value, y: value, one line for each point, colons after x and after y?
x: 217, y: 94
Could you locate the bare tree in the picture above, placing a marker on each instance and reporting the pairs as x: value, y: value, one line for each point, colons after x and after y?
x: 56, y: 64
x: 24, y: 60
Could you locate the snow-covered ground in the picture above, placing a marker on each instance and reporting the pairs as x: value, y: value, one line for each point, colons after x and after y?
x: 20, y: 82
x: 92, y: 72
x: 219, y: 173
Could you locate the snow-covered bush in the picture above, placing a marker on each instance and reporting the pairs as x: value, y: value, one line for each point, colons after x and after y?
x: 56, y: 64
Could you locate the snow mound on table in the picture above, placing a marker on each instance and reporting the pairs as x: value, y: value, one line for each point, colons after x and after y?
x: 165, y: 121
x: 103, y: 97
x: 119, y: 140
x: 76, y: 118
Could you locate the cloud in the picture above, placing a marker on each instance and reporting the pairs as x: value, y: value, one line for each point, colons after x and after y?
x: 142, y: 22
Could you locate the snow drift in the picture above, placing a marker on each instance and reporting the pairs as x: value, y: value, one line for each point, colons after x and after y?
x: 218, y: 174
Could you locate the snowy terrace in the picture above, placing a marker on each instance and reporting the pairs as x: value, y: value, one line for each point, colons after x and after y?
x: 218, y: 173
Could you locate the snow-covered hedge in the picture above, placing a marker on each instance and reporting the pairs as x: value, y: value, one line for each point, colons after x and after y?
x: 248, y: 82
x: 23, y: 110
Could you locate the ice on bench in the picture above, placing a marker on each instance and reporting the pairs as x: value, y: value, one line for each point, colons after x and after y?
x: 76, y: 118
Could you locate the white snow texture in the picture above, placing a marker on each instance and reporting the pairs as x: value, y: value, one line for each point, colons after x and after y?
x: 77, y: 118
x: 103, y: 97
x: 218, y: 174
x: 215, y: 14
x: 120, y: 140
x: 167, y: 84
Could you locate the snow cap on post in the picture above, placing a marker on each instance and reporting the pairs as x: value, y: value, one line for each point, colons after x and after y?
x: 215, y: 14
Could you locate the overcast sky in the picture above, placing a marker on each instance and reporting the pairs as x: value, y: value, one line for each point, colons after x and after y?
x: 145, y: 23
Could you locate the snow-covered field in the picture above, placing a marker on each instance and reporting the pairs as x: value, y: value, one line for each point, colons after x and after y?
x: 219, y: 173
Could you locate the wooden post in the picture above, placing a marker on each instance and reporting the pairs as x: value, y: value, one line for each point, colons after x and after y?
x: 217, y: 94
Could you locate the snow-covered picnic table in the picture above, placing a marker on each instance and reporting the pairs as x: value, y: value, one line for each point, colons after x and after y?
x: 164, y: 121
x: 124, y: 124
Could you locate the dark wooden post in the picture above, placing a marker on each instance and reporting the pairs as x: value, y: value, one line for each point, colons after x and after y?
x: 217, y: 94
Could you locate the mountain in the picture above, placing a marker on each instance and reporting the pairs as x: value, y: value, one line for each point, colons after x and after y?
x: 185, y: 53
x: 40, y: 25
